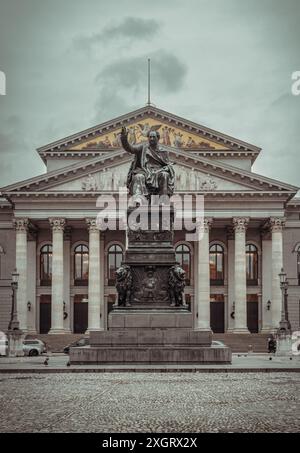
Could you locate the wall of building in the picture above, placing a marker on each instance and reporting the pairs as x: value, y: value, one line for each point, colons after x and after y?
x: 291, y: 242
x: 7, y: 265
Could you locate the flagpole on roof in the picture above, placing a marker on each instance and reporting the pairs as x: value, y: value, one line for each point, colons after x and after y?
x: 148, y: 103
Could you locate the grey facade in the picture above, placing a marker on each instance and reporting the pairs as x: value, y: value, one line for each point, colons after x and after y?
x: 249, y: 217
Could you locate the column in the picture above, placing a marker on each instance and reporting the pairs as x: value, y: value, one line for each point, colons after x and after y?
x: 230, y: 279
x: 57, y: 295
x: 21, y: 226
x: 203, y: 278
x: 266, y: 282
x: 240, y: 283
x: 103, y: 301
x: 67, y: 279
x: 95, y: 308
x: 31, y: 284
x: 276, y: 226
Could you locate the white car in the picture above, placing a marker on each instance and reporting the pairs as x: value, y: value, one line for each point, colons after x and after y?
x: 34, y: 347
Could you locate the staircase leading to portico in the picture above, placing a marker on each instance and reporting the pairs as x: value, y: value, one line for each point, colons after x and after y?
x: 241, y: 342
x: 237, y: 342
x: 57, y: 343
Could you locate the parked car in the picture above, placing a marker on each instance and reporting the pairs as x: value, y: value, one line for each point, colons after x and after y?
x: 34, y: 347
x: 217, y: 343
x: 76, y: 344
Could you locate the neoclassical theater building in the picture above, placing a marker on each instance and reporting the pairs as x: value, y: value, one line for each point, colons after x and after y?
x: 66, y: 266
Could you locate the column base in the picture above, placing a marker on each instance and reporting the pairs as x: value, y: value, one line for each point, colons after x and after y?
x: 31, y: 332
x: 241, y: 330
x: 56, y: 331
x: 93, y: 329
x: 267, y: 330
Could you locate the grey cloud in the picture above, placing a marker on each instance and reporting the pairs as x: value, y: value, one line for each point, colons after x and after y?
x: 10, y: 138
x: 130, y: 28
x: 124, y: 82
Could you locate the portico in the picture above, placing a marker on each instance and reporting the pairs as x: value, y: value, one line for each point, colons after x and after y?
x: 67, y: 266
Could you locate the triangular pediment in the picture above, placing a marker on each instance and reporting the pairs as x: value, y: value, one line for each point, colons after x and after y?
x: 108, y: 172
x: 174, y: 131
x: 170, y: 135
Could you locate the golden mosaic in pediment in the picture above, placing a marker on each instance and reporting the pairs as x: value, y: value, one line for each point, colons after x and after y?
x: 137, y: 133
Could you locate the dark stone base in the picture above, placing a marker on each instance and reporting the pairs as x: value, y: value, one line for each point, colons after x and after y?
x: 148, y: 345
x: 174, y: 354
x: 145, y: 318
x: 150, y: 337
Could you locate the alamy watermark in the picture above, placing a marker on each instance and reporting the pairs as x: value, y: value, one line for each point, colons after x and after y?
x: 159, y: 212
x: 2, y: 83
x: 295, y: 88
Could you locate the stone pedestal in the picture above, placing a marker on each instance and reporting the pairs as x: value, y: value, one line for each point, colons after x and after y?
x: 153, y: 326
x: 150, y: 255
x: 152, y: 336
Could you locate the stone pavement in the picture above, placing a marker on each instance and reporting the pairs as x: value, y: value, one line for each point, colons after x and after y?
x: 240, y: 363
x: 150, y: 402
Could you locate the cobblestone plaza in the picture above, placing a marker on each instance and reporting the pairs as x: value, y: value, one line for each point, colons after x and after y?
x: 150, y: 402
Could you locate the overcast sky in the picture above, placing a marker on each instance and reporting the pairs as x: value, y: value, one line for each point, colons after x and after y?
x: 226, y: 64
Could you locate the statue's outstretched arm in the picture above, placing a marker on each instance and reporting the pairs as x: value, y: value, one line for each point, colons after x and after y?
x: 126, y: 145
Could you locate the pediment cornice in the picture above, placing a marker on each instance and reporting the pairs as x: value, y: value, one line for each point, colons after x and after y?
x: 249, y: 181
x: 71, y: 141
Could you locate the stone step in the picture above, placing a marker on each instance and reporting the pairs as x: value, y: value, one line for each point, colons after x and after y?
x: 150, y: 355
x: 57, y: 342
x: 237, y: 342
x: 242, y: 342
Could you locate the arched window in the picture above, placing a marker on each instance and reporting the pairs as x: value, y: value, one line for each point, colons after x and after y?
x: 216, y: 264
x: 183, y: 256
x: 81, y: 265
x: 46, y: 265
x: 298, y: 264
x: 251, y: 264
x: 115, y: 256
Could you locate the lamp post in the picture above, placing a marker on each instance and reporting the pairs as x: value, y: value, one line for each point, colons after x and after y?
x: 14, y: 334
x: 284, y: 324
x: 14, y: 323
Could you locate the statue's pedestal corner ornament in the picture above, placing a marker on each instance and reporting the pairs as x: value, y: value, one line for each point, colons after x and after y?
x: 124, y: 285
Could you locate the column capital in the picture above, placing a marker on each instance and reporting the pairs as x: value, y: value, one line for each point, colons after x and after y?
x: 204, y: 224
x: 92, y: 225
x: 21, y: 224
x: 57, y: 224
x: 276, y: 223
x: 240, y: 224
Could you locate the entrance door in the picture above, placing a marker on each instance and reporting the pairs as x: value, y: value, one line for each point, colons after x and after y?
x: 45, y: 313
x: 252, y: 313
x: 217, y: 313
x: 80, y: 314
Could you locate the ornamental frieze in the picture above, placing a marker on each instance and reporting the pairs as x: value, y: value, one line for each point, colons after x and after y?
x: 137, y: 133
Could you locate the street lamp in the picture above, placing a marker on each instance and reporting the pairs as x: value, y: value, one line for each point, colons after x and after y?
x: 14, y: 323
x: 14, y: 334
x: 284, y: 324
